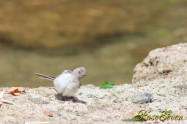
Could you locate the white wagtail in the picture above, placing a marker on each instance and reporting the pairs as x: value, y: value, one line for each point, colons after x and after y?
x: 68, y: 82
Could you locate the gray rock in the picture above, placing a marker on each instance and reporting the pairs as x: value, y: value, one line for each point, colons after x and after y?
x: 142, y: 98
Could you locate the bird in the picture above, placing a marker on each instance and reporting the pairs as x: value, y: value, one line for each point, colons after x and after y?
x: 68, y: 82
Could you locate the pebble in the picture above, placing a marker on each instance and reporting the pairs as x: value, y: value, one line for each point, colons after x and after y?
x: 142, y: 98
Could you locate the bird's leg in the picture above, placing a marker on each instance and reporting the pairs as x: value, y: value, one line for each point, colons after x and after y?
x: 74, y: 99
x: 60, y: 96
x: 66, y: 98
x: 69, y: 98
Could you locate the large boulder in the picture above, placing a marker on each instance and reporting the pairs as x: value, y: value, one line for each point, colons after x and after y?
x: 161, y: 63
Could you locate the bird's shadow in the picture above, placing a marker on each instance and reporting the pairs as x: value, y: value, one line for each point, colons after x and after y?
x: 65, y: 98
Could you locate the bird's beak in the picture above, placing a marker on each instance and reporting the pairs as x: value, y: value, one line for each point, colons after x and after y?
x: 84, y: 75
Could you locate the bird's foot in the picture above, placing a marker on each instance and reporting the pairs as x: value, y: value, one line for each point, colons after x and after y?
x: 76, y: 100
x: 72, y: 98
x: 66, y: 98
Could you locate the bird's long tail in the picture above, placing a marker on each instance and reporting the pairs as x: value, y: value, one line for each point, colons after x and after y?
x: 45, y: 76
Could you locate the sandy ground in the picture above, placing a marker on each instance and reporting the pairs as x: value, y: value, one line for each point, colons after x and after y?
x: 102, y: 106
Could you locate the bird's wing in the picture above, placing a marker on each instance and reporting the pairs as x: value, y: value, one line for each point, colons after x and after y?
x: 61, y: 82
x: 67, y: 72
x: 72, y: 86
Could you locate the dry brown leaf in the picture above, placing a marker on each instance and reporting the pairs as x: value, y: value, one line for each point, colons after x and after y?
x: 48, y: 113
x: 16, y: 91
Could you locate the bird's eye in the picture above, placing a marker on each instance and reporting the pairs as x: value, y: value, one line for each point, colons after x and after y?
x: 79, y: 72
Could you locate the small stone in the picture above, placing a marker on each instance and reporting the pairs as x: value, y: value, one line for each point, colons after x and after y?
x: 142, y: 98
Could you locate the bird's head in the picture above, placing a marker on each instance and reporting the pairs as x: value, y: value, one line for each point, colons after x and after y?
x: 80, y: 72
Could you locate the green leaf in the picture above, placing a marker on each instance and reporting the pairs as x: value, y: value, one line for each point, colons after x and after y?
x: 107, y: 85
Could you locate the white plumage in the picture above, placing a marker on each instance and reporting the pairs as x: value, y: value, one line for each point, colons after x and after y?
x: 68, y: 82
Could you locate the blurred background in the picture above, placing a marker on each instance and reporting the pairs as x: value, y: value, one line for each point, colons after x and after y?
x: 108, y: 37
